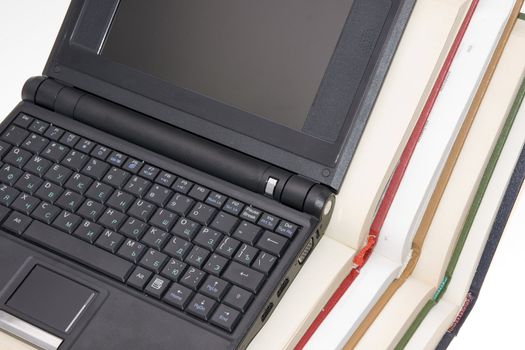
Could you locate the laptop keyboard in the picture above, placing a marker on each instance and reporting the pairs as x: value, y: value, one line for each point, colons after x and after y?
x: 177, y: 241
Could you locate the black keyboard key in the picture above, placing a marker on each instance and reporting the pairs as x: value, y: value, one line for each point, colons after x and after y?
x: 110, y: 241
x: 251, y: 214
x: 116, y: 177
x: 180, y: 204
x: 142, y: 210
x: 112, y: 219
x: 28, y: 183
x: 225, y: 223
x: 49, y: 192
x: 208, y: 238
x: 137, y: 186
x: 54, y: 133
x: 38, y: 126
x: 174, y: 269
x: 17, y: 222
x: 139, y: 278
x: 79, y: 183
x: 132, y: 250
x: 84, y: 145
x: 165, y: 179
x: 192, y: 278
x: 214, y: 287
x: 201, y: 306
x: 228, y: 247
x: 202, y: 213
x: 153, y: 260
x: 67, y: 221
x: 35, y: 143
x: 69, y: 139
x: 101, y: 152
x: 132, y: 165
x: 198, y: 192
x: 25, y: 203
x: 157, y: 286
x: 45, y: 212
x: 17, y: 157
x: 155, y: 238
x: 120, y: 200
x: 58, y: 174
x: 197, y: 256
x: 90, y: 210
x: 23, y: 120
x: 272, y: 243
x: 78, y: 250
x: 14, y: 135
x: 149, y: 172
x: 182, y: 185
x: 10, y: 174
x: 178, y: 248
x: 38, y: 166
x: 268, y: 221
x: 287, y: 229
x: 116, y: 159
x: 99, y: 192
x: 186, y: 229
x: 88, y: 231
x: 163, y: 219
x: 225, y: 317
x: 55, y: 152
x: 246, y: 254
x: 215, y: 264
x: 248, y: 233
x: 69, y: 200
x: 244, y: 277
x: 75, y: 160
x: 133, y: 228
x: 178, y: 296
x: 7, y: 195
x: 159, y: 195
x: 95, y: 168
x: 238, y: 298
x: 264, y: 262
x: 4, y: 147
x: 216, y: 199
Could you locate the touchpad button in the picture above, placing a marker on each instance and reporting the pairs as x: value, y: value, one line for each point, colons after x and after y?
x: 52, y: 299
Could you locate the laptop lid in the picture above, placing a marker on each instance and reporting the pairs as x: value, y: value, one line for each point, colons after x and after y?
x: 291, y: 83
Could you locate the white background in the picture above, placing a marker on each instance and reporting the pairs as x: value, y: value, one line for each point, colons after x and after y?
x: 27, y: 32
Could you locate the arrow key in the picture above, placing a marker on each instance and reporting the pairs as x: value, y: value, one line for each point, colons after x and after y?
x: 225, y: 317
x: 201, y: 306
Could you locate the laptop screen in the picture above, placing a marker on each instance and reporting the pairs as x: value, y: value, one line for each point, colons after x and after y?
x: 267, y: 58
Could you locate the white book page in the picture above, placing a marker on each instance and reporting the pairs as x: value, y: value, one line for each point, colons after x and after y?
x: 456, y: 201
x: 424, y: 45
x: 442, y: 128
x: 469, y: 258
x: 466, y: 176
x: 345, y: 317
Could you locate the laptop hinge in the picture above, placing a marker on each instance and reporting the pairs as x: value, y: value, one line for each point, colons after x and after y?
x: 238, y: 168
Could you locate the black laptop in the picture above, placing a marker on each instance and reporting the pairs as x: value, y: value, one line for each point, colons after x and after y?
x: 164, y: 180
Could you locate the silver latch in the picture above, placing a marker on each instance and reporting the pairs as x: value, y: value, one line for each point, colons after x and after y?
x: 271, y: 183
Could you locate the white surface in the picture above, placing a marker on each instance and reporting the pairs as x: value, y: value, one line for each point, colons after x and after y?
x: 27, y: 32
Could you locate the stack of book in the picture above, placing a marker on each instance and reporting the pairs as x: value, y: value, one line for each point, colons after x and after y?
x: 419, y: 217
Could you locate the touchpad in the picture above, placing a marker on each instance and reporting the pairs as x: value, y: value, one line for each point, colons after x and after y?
x: 52, y: 299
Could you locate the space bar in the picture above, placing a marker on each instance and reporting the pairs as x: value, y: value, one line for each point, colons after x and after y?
x: 78, y: 250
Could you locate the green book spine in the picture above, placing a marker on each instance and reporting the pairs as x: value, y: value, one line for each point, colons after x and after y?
x: 473, y: 210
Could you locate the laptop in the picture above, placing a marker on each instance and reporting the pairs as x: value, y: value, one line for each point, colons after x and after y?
x: 164, y: 180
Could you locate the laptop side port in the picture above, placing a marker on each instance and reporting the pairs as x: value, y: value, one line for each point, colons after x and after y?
x: 266, y: 312
x: 306, y: 251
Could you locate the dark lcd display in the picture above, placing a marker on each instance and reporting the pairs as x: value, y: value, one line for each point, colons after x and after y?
x: 267, y: 58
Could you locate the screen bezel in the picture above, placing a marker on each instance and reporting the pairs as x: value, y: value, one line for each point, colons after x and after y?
x: 82, y: 66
